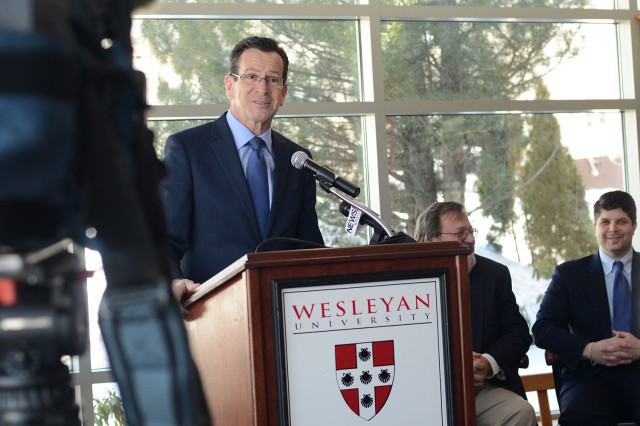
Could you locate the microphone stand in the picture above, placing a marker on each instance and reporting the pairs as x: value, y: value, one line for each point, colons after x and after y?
x: 383, y: 233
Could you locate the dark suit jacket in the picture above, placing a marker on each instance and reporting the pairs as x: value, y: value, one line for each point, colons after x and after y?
x: 497, y: 327
x: 574, y: 311
x: 210, y: 215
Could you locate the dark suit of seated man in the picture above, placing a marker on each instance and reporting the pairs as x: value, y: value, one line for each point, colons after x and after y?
x: 500, y: 335
x: 578, y: 321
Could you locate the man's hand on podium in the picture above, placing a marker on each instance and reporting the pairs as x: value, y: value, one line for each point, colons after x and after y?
x: 183, y: 289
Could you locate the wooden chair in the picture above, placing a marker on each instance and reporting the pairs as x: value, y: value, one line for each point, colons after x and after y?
x: 541, y: 384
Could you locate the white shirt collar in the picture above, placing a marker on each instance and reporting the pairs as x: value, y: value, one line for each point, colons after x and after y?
x: 607, y: 262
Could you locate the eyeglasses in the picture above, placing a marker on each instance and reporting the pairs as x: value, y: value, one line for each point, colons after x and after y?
x: 462, y: 235
x: 255, y: 79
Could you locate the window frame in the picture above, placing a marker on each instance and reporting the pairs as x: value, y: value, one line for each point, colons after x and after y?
x: 374, y: 110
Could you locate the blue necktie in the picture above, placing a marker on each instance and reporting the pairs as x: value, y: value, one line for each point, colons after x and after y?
x: 258, y: 183
x: 621, y: 300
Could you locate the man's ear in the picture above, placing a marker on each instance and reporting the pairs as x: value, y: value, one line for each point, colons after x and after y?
x: 228, y: 85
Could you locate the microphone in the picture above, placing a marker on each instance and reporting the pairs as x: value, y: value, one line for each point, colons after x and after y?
x: 323, y: 174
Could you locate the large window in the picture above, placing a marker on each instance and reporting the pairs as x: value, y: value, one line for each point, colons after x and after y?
x: 525, y: 111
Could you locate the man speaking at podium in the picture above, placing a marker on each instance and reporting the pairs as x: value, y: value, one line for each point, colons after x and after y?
x: 230, y: 182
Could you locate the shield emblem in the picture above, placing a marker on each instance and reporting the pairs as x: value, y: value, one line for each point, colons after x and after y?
x: 365, y: 374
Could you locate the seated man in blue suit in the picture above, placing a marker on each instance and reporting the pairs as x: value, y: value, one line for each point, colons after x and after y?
x: 594, y: 334
x: 500, y: 334
x: 212, y: 216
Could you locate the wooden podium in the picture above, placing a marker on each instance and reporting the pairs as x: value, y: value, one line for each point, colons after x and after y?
x: 236, y: 331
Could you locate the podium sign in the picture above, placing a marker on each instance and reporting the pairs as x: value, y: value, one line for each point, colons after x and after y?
x: 364, y: 347
x: 373, y: 335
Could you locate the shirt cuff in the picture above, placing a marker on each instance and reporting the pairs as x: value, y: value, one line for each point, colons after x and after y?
x: 496, y: 370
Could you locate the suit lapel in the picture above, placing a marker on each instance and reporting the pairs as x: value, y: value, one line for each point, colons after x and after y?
x: 282, y: 160
x: 224, y: 149
x: 596, y: 289
x: 635, y: 294
x: 476, y: 295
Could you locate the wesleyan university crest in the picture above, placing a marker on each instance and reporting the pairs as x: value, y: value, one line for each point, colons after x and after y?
x: 365, y: 374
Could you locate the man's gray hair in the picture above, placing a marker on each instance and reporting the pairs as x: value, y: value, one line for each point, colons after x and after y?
x: 428, y: 222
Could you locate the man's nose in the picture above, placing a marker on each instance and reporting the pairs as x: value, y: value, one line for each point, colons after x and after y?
x: 263, y: 80
x: 470, y: 237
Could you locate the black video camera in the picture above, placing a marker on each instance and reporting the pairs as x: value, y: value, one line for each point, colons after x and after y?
x: 75, y: 154
x: 42, y: 317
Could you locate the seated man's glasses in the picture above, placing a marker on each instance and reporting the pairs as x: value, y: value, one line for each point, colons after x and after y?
x: 463, y: 234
